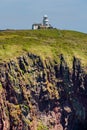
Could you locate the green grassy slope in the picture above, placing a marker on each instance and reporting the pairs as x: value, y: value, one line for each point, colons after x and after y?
x: 46, y: 43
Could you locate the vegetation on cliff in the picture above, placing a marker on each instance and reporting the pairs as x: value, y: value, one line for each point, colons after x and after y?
x: 45, y: 43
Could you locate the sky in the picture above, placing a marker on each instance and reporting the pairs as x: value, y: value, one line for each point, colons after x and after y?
x: 62, y: 14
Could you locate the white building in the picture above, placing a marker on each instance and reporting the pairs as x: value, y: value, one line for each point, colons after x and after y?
x: 44, y: 25
x: 36, y: 26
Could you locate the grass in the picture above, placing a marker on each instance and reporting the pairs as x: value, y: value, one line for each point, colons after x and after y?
x: 45, y: 43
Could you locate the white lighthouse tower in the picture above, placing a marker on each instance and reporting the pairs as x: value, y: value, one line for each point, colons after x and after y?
x: 45, y: 21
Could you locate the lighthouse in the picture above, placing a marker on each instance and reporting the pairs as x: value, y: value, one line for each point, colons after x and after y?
x: 44, y: 25
x: 45, y: 21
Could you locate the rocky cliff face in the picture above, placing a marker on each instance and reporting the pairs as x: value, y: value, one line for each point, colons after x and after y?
x: 42, y: 95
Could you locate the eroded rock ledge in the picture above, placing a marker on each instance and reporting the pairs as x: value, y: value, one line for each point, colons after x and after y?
x: 42, y: 95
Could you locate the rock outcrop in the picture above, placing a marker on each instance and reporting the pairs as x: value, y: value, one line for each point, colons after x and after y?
x: 42, y: 95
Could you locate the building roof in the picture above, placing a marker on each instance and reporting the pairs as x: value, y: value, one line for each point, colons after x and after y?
x: 37, y: 24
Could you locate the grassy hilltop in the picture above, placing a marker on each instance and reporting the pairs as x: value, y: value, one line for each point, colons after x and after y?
x: 46, y: 43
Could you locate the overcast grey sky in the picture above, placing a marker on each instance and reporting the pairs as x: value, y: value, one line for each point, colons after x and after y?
x: 63, y: 14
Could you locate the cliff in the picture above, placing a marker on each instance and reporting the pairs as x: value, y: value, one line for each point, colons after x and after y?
x: 40, y: 95
x: 44, y: 87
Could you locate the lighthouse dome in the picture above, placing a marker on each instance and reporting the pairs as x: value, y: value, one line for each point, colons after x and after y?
x: 45, y: 16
